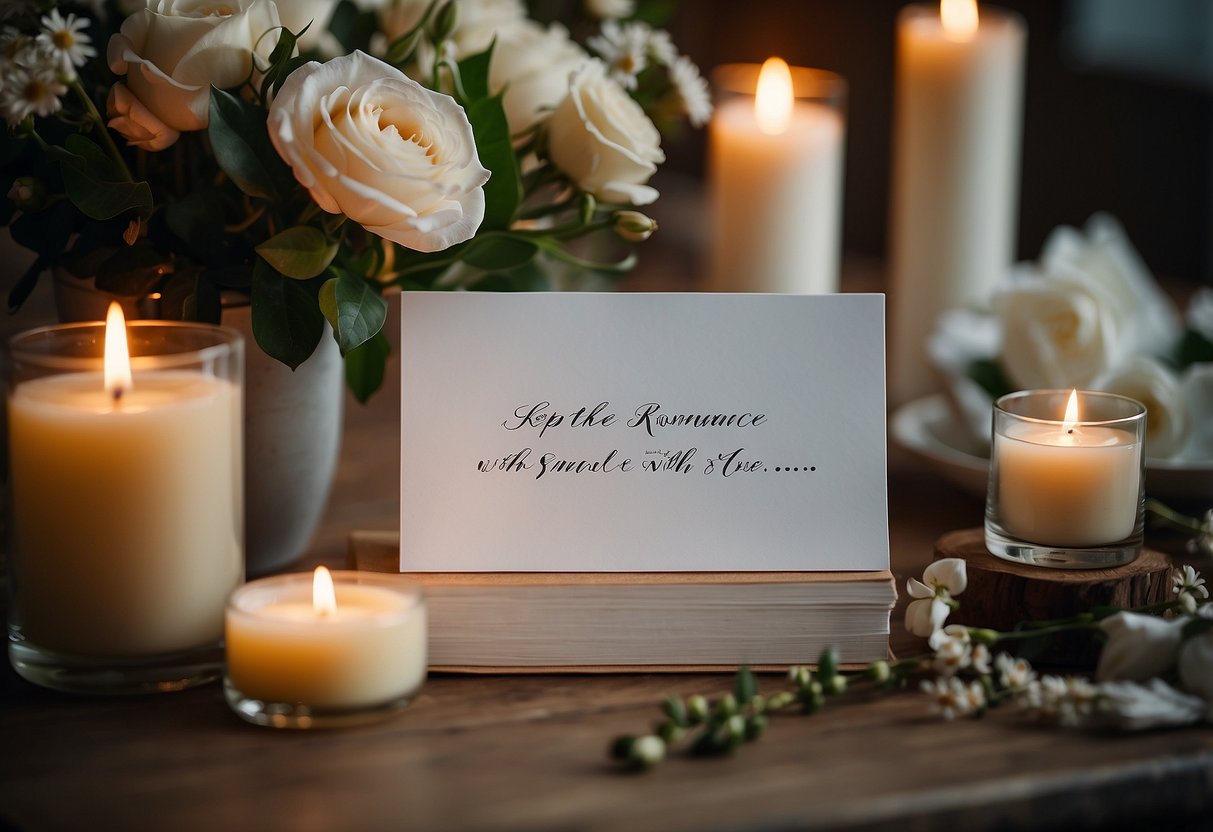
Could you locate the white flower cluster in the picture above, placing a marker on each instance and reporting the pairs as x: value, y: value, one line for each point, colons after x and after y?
x: 941, y: 582
x: 1130, y: 690
x: 1089, y: 315
x: 35, y: 71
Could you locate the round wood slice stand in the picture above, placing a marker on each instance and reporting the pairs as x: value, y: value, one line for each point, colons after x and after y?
x: 1001, y: 593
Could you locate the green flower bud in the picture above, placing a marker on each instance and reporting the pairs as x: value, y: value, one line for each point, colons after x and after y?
x: 647, y: 752
x: 799, y: 676
x: 727, y: 706
x: 401, y: 50
x: 827, y: 663
x: 780, y: 700
x: 445, y: 21
x: 735, y: 725
x: 755, y: 726
x: 879, y: 671
x: 621, y: 747
x: 835, y: 685
x: 675, y: 710
x: 28, y: 193
x: 587, y: 208
x: 981, y: 635
x: 634, y: 226
x: 697, y: 709
x: 758, y: 703
x: 670, y: 731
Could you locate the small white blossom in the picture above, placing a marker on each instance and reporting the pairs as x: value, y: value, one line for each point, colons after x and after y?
x: 942, y: 580
x: 661, y: 47
x: 65, y: 38
x: 34, y: 90
x: 1014, y: 674
x: 952, y: 656
x: 1066, y: 701
x: 980, y: 659
x: 692, y: 91
x: 951, y: 697
x: 1189, y: 588
x: 624, y: 49
x: 13, y: 45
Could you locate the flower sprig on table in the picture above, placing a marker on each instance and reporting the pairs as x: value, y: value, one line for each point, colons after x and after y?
x: 308, y: 154
x: 1152, y: 672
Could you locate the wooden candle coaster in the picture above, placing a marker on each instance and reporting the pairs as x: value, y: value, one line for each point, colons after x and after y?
x: 1002, y: 593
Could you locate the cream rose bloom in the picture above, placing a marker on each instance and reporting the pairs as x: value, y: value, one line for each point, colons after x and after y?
x: 1153, y: 384
x: 533, y: 63
x: 136, y: 123
x: 368, y: 141
x: 296, y: 14
x: 1057, y: 330
x: 478, y: 21
x: 173, y: 51
x: 601, y: 138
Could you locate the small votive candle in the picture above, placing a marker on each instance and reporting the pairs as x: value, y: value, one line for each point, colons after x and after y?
x: 324, y: 649
x: 1066, y: 479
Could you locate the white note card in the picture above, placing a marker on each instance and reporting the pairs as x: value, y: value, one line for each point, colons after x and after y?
x: 628, y: 432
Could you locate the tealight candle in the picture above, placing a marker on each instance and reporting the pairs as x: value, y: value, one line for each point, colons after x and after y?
x: 1066, y: 491
x: 127, y: 519
x: 324, y: 649
x: 954, y: 191
x: 775, y: 159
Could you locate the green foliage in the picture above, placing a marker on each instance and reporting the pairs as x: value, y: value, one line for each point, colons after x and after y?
x: 503, y: 192
x: 242, y: 146
x: 300, y: 252
x: 353, y: 308
x: 352, y: 27
x: 989, y: 375
x: 97, y: 186
x: 287, y: 321
x: 365, y: 366
x: 1193, y: 348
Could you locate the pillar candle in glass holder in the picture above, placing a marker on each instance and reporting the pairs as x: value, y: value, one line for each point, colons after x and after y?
x: 1066, y: 488
x: 775, y: 165
x: 126, y: 502
x: 324, y: 649
x: 955, y: 176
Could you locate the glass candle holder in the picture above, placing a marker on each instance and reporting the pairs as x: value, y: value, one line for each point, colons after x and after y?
x: 775, y: 170
x: 1066, y: 488
x: 125, y: 505
x: 297, y: 660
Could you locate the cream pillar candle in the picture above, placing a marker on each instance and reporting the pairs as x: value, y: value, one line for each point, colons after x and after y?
x: 955, y: 176
x: 125, y: 502
x: 303, y: 648
x: 1065, y: 483
x: 775, y: 165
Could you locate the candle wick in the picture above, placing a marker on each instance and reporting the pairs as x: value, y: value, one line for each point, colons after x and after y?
x: 117, y: 394
x: 1071, y: 430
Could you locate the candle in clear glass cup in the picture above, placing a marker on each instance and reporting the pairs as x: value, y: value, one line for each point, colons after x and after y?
x: 775, y: 169
x: 126, y: 498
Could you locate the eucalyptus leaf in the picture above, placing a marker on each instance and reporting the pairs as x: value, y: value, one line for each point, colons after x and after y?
x: 353, y: 308
x: 96, y: 184
x: 287, y: 323
x: 300, y: 252
x: 366, y: 365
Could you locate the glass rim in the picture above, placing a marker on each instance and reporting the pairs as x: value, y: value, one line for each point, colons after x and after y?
x: 20, y: 346
x: 999, y: 406
x: 240, y: 601
x: 930, y: 11
x: 808, y: 83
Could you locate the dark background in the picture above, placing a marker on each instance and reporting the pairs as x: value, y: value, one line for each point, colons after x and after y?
x: 1117, y: 110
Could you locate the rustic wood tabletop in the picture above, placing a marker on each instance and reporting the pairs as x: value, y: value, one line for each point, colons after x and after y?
x: 529, y: 752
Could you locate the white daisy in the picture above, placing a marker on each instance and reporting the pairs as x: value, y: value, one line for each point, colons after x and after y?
x: 66, y: 37
x: 13, y: 46
x: 693, y: 91
x: 1189, y: 588
x: 624, y: 49
x: 951, y: 697
x: 34, y: 90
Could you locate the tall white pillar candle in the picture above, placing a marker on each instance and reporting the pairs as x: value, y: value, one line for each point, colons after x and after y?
x: 955, y: 177
x: 775, y: 160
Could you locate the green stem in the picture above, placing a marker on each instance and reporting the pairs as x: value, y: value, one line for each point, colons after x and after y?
x: 1174, y: 518
x: 106, y: 138
x: 1069, y: 627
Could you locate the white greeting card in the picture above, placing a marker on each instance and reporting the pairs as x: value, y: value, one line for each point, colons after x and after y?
x: 582, y: 432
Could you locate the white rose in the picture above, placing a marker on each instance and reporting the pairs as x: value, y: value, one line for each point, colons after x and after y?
x: 1197, y: 387
x: 1057, y: 330
x: 174, y: 50
x: 534, y: 65
x: 1155, y: 386
x: 136, y: 123
x: 370, y: 142
x: 477, y: 22
x: 1147, y: 321
x: 1200, y: 313
x: 602, y: 139
x: 296, y: 14
x: 1139, y: 646
x: 1196, y: 666
x: 961, y: 337
x: 1155, y: 704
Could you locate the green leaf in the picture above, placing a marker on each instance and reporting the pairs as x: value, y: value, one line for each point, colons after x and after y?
x: 352, y: 27
x: 503, y: 191
x: 95, y: 184
x: 1193, y: 347
x: 132, y: 271
x: 301, y: 252
x: 474, y: 75
x: 745, y: 686
x: 197, y: 220
x: 353, y: 308
x: 287, y: 322
x: 500, y: 252
x: 365, y: 367
x: 242, y: 145
x: 205, y: 304
x: 989, y: 375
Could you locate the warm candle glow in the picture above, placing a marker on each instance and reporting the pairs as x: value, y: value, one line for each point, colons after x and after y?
x: 959, y: 18
x: 1071, y: 418
x: 117, y: 355
x: 324, y: 599
x: 774, y: 99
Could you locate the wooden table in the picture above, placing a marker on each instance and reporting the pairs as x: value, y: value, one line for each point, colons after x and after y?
x: 528, y: 753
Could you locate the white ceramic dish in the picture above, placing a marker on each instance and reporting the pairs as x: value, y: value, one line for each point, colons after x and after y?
x: 927, y: 429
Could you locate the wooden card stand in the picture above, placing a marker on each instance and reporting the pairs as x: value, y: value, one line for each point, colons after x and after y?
x: 1002, y: 593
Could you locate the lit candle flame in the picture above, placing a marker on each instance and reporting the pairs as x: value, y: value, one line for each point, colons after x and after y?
x: 959, y: 18
x: 1071, y: 419
x: 117, y: 360
x: 774, y: 99
x: 324, y: 598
